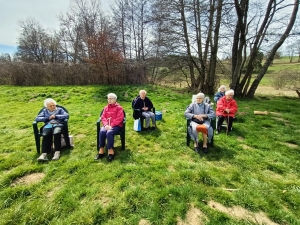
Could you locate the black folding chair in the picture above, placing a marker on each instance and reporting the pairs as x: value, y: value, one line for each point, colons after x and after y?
x: 38, y: 131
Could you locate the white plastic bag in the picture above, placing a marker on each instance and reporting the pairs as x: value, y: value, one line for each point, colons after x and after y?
x: 137, y: 125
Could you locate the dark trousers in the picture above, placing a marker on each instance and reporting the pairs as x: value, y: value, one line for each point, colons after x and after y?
x: 109, y: 135
x: 47, y: 139
x: 229, y: 120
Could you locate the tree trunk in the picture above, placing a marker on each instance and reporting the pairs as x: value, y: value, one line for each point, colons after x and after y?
x: 270, y: 58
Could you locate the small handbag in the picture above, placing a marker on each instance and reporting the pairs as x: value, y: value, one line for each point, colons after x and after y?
x: 198, y: 121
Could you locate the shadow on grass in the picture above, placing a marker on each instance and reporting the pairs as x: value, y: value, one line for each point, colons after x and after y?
x: 157, y: 132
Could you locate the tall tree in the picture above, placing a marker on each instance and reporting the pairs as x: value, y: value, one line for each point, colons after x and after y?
x: 265, y: 28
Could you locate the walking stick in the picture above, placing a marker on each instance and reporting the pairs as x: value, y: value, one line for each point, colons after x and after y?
x: 227, y: 123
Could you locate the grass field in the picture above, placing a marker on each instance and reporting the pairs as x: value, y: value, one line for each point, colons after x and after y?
x: 248, y: 177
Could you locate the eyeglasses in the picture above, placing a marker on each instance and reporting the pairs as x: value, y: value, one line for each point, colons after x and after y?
x: 199, y: 98
x: 110, y: 98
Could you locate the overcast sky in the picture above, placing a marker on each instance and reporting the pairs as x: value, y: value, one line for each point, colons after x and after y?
x: 44, y: 11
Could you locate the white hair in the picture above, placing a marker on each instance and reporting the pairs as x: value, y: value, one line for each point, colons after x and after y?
x: 141, y: 91
x: 112, y: 95
x: 49, y: 100
x: 200, y: 95
x: 229, y: 92
x: 222, y: 86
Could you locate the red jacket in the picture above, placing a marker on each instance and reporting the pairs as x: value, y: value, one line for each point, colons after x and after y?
x: 113, y: 115
x: 223, y: 104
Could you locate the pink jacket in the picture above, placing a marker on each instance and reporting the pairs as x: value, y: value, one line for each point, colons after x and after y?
x: 223, y: 104
x: 113, y: 115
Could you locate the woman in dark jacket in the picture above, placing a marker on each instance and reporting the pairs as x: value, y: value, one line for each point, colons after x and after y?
x: 145, y: 105
x: 53, y: 117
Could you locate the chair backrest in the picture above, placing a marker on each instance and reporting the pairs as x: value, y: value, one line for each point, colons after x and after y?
x: 133, y: 101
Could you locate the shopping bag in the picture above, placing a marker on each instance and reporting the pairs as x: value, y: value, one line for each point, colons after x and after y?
x: 137, y: 125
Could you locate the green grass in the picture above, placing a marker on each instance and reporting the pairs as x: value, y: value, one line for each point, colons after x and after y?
x: 157, y: 177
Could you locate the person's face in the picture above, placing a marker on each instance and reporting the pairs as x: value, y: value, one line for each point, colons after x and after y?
x: 199, y: 99
x: 229, y: 96
x: 222, y: 89
x: 111, y: 100
x: 142, y: 95
x: 51, y: 106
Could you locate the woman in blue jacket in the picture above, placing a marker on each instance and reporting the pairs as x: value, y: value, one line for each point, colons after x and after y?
x: 53, y: 118
x: 220, y: 93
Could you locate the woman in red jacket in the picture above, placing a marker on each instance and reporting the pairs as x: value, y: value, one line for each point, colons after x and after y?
x: 112, y: 119
x: 226, y: 108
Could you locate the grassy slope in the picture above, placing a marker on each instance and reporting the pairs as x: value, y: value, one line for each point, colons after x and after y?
x: 157, y: 176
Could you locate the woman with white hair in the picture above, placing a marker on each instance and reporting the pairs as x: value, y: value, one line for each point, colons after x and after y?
x: 145, y: 105
x: 112, y: 120
x: 226, y: 108
x: 200, y: 114
x: 53, y: 117
x: 220, y: 93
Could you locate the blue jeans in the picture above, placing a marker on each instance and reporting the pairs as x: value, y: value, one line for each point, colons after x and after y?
x: 109, y: 135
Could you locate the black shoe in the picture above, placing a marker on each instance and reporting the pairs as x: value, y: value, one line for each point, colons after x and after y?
x: 205, y: 150
x: 153, y: 128
x: 110, y: 157
x: 196, y: 149
x: 99, y: 156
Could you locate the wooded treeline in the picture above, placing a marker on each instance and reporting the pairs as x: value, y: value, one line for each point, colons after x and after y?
x: 142, y: 41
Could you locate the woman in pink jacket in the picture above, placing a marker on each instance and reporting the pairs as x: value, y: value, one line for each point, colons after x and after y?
x: 112, y: 120
x: 226, y: 108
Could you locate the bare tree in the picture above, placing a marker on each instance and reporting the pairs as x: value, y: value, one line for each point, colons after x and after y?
x: 77, y: 26
x: 34, y: 43
x: 263, y: 33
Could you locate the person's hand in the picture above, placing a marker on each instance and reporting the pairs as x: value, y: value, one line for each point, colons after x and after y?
x: 227, y: 110
x: 145, y: 108
x: 52, y: 117
x: 107, y: 127
x: 199, y: 117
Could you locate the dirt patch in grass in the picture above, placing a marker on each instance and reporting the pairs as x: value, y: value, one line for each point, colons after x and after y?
x: 239, y: 138
x: 144, y: 222
x: 28, y: 179
x: 194, y: 216
x: 241, y: 213
x: 51, y: 193
x: 291, y: 145
x: 246, y: 147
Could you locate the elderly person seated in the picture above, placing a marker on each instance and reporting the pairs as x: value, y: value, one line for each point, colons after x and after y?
x: 53, y: 118
x: 226, y: 108
x: 145, y: 105
x: 112, y: 120
x: 200, y: 114
x: 220, y: 93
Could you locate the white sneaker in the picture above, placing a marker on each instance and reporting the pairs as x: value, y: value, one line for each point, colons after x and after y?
x: 56, y: 155
x: 43, y: 157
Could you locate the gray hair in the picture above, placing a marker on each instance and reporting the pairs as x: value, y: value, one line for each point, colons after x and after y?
x: 112, y: 95
x: 229, y: 92
x: 200, y: 95
x: 222, y: 86
x: 143, y: 91
x: 49, y: 100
